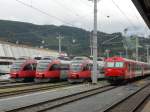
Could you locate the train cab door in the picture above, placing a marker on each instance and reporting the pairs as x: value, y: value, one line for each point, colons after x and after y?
x: 132, y: 70
x: 54, y: 71
x: 27, y: 70
x: 33, y: 72
x: 64, y: 68
x: 129, y: 70
x: 142, y: 70
x: 86, y: 71
x: 99, y: 71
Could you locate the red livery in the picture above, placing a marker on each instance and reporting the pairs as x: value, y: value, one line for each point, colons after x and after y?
x: 50, y: 69
x: 23, y: 70
x: 120, y: 69
x: 81, y: 70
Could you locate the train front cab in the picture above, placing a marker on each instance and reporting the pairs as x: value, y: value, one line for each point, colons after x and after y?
x: 50, y: 71
x: 115, y: 71
x: 23, y: 71
x: 79, y: 72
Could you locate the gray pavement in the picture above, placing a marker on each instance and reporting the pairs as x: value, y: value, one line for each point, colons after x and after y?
x: 29, y: 99
x: 99, y: 102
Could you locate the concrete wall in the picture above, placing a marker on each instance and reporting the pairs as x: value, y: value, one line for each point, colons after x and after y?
x: 13, y: 50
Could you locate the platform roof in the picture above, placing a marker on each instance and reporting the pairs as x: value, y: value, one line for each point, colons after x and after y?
x: 143, y: 6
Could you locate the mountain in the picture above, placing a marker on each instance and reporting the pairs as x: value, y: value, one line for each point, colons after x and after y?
x: 76, y: 41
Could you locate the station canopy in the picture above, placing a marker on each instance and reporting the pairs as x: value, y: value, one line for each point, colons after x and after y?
x: 143, y: 6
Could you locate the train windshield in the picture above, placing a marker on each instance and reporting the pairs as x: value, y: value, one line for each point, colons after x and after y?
x: 17, y: 65
x: 75, y: 67
x: 114, y: 64
x: 42, y: 66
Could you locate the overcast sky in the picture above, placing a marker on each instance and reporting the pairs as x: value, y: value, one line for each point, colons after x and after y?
x: 78, y: 13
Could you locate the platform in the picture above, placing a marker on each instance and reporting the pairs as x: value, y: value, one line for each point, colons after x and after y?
x: 146, y: 108
x: 29, y: 99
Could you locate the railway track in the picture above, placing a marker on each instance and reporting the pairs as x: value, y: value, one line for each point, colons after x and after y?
x: 132, y: 103
x: 30, y: 88
x: 13, y: 85
x: 47, y: 105
x: 4, y: 82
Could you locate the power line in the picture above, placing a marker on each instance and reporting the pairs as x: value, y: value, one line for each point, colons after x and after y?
x: 135, y: 14
x: 71, y: 11
x: 123, y: 13
x: 86, y: 4
x: 137, y: 17
x: 43, y: 12
x: 67, y: 8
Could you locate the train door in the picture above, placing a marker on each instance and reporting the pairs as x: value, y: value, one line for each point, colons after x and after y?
x: 54, y: 71
x: 86, y: 71
x: 142, y: 69
x: 133, y: 70
x: 64, y: 68
x: 129, y: 70
x: 27, y: 70
x: 100, y: 71
x: 33, y: 69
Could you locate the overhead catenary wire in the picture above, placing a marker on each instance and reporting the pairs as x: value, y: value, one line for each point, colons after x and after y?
x: 72, y: 12
x: 88, y: 5
x: 138, y: 19
x: 45, y: 13
x: 123, y: 13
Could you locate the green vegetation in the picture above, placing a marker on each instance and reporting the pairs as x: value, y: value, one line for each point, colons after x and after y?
x: 30, y: 34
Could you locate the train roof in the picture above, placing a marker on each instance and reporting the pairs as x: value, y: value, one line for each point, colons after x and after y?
x: 81, y: 61
x: 25, y: 60
x: 81, y: 58
x: 54, y: 61
x: 115, y: 58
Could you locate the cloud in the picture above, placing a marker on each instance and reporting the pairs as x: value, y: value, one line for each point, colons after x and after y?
x: 78, y: 13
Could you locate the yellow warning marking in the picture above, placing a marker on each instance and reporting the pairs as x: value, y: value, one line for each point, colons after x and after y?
x: 146, y: 108
x: 140, y: 82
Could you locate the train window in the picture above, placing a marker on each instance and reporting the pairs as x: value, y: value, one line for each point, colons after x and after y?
x: 41, y: 66
x: 16, y: 66
x: 90, y: 66
x: 75, y: 67
x: 85, y: 68
x: 110, y: 64
x: 34, y: 66
x: 5, y: 63
x: 64, y: 67
x: 27, y: 67
x: 119, y: 64
x: 55, y: 67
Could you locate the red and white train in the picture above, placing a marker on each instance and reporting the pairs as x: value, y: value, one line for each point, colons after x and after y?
x: 81, y: 70
x: 118, y: 69
x: 51, y: 69
x: 23, y: 69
